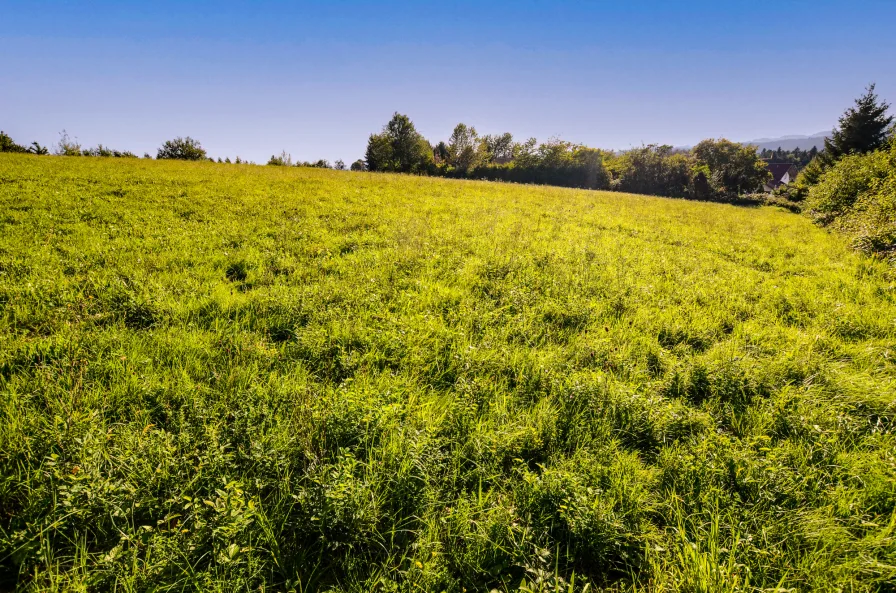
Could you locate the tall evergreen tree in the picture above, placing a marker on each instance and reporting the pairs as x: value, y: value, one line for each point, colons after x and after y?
x: 863, y: 128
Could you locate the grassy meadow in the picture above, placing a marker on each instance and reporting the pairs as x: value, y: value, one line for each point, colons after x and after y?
x: 241, y: 378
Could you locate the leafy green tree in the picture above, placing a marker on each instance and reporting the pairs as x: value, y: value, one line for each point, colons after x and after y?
x: 411, y: 151
x: 734, y: 168
x: 653, y: 169
x: 184, y: 149
x: 498, y: 147
x: 399, y: 148
x: 379, y: 155
x: 8, y: 145
x: 863, y: 128
x: 359, y: 165
x: 463, y: 148
x: 339, y: 165
x: 525, y: 154
x: 440, y: 152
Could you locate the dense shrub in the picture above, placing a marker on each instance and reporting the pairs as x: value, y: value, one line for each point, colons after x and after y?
x: 7, y: 144
x: 652, y: 169
x: 734, y: 168
x: 184, y: 149
x: 555, y: 163
x: 283, y: 160
x: 858, y: 195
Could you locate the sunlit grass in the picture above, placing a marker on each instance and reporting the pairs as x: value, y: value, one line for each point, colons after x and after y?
x: 261, y: 378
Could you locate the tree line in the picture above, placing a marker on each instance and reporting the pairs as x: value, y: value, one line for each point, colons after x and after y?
x: 798, y: 157
x: 714, y: 169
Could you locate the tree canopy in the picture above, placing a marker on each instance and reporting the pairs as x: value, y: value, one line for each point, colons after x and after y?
x: 184, y: 149
x: 399, y: 148
x: 864, y: 127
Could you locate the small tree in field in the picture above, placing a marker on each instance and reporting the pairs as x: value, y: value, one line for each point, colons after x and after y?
x: 184, y: 149
x: 339, y: 165
x: 359, y: 165
x: 399, y: 148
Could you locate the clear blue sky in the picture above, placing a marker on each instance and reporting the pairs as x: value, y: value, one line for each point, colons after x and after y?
x: 316, y: 78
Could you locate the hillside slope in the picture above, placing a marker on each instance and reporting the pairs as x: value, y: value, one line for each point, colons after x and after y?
x: 221, y: 377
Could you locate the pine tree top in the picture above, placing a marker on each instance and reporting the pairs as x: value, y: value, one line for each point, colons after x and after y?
x: 863, y: 128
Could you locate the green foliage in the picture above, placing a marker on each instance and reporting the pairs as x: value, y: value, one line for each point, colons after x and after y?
x: 379, y: 155
x: 858, y: 195
x: 797, y: 157
x: 291, y: 379
x: 7, y: 144
x: 498, y: 147
x: 399, y: 148
x: 67, y: 146
x: 652, y: 169
x: 863, y: 128
x: 555, y: 162
x: 37, y: 149
x: 714, y: 170
x: 464, y: 150
x: 283, y: 160
x: 798, y: 190
x: 734, y: 169
x: 105, y: 151
x: 319, y: 164
x: 182, y: 149
x: 359, y: 165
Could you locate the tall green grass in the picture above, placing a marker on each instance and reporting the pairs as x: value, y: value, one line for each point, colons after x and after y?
x: 234, y: 378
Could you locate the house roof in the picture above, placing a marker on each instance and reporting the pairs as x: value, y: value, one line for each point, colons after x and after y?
x: 778, y: 170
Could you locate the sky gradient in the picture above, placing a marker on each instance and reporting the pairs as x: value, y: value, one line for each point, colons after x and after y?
x: 316, y: 78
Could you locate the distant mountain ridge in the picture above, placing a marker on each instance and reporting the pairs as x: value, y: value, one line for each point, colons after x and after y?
x: 784, y: 142
x: 792, y: 142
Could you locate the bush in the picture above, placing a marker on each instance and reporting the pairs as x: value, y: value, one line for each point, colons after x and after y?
x: 735, y: 169
x: 654, y: 170
x: 359, y: 165
x: 67, y: 146
x: 858, y: 196
x: 8, y: 145
x: 555, y: 162
x: 183, y: 149
x: 37, y: 149
x: 284, y: 160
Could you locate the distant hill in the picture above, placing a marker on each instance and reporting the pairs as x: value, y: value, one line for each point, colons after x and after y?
x: 792, y: 142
